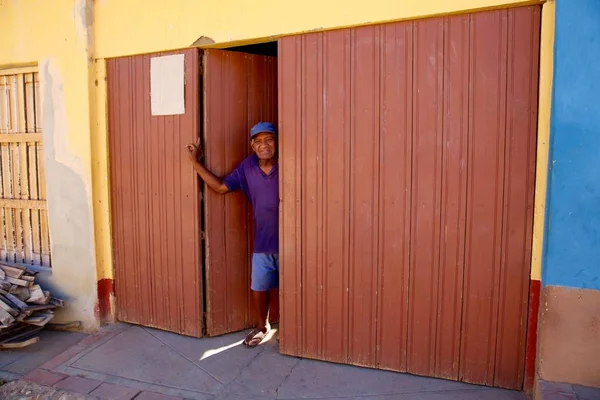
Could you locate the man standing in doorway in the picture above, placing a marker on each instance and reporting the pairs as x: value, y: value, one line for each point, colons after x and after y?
x: 258, y: 177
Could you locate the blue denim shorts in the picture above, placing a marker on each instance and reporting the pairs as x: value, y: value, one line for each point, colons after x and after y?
x: 265, y: 272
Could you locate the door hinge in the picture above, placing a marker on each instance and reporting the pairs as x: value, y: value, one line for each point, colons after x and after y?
x: 202, y: 235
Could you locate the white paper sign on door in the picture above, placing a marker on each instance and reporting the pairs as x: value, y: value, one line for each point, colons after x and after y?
x: 167, y: 82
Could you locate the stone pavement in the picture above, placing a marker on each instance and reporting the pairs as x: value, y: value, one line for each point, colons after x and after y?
x: 566, y: 391
x: 125, y: 361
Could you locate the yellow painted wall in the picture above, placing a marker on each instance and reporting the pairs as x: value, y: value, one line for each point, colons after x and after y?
x: 51, y: 32
x: 58, y: 36
x: 140, y: 26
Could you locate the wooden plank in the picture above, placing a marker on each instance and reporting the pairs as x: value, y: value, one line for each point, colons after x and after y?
x: 23, y: 204
x: 8, y: 308
x: 21, y: 137
x: 13, y: 299
x: 21, y: 292
x: 2, y: 274
x: 29, y: 269
x: 23, y: 315
x: 13, y: 103
x: 29, y: 103
x: 7, y: 301
x: 26, y: 213
x: 18, y: 282
x: 16, y: 332
x: 38, y: 319
x: 38, y: 102
x: 7, y: 193
x: 57, y: 302
x: 5, y: 317
x: 4, y: 105
x: 3, y: 253
x: 16, y: 182
x: 12, y: 271
x: 36, y: 245
x: 4, y: 245
x: 45, y: 237
x: 41, y: 178
x: 20, y: 93
x: 38, y: 296
x: 41, y: 307
x: 45, y: 234
x: 19, y: 70
x: 19, y: 345
x: 8, y: 333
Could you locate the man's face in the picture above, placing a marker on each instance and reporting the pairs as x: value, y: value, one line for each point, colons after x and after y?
x: 264, y: 145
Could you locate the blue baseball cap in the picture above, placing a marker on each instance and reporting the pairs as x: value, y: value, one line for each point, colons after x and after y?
x: 263, y: 127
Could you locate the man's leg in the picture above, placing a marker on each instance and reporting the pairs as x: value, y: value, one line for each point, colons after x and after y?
x: 265, y: 277
x: 261, y: 304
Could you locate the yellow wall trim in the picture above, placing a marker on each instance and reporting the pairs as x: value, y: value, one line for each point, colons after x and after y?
x: 100, y: 177
x: 543, y: 140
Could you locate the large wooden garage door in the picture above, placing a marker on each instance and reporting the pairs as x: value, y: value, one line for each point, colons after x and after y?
x: 154, y: 199
x: 408, y: 156
x: 162, y: 279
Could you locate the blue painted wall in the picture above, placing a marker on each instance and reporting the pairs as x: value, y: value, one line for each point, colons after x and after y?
x: 572, y: 256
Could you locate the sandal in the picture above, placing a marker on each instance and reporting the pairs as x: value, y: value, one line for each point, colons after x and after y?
x: 254, y: 338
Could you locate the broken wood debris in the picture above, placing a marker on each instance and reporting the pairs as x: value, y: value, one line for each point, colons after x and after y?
x: 25, y: 308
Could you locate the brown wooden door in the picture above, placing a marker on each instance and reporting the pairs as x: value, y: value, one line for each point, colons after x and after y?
x: 156, y: 210
x: 407, y: 178
x: 154, y: 199
x: 239, y: 90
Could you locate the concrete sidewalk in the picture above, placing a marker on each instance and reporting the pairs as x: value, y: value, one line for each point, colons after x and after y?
x: 124, y: 361
x: 15, y: 363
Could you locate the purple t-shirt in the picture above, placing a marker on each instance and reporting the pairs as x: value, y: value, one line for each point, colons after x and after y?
x: 263, y: 192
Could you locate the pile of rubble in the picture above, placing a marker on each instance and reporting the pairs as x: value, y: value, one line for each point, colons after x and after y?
x: 24, y: 307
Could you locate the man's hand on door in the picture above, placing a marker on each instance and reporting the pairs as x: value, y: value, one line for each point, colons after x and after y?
x: 194, y: 152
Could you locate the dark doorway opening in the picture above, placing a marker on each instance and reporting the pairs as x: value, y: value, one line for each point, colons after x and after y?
x: 262, y: 49
x: 239, y: 89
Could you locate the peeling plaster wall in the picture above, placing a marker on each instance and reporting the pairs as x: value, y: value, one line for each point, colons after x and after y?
x: 58, y: 35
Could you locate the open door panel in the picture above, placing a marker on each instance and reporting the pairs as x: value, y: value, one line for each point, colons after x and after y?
x: 239, y: 90
x: 154, y: 194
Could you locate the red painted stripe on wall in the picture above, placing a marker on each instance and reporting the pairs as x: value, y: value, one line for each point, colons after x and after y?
x: 532, y: 334
x: 106, y: 290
